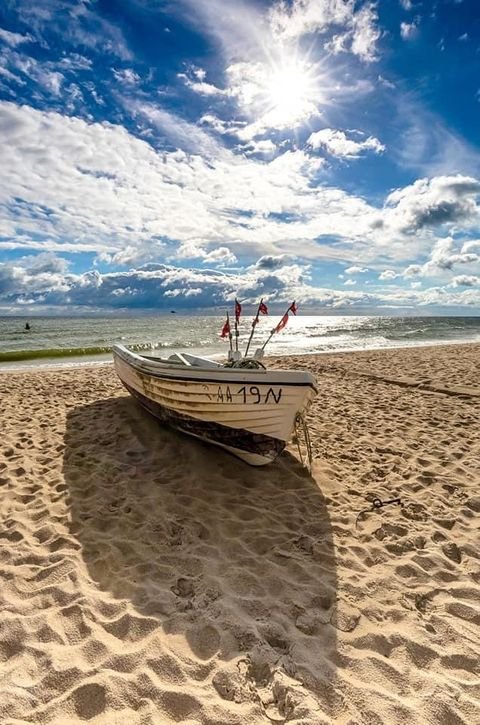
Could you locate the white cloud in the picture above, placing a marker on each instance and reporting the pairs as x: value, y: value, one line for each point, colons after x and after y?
x: 95, y: 186
x: 360, y: 33
x: 265, y: 146
x: 221, y: 126
x: 230, y: 24
x: 127, y: 76
x: 274, y: 84
x: 427, y: 146
x: 45, y: 262
x: 11, y: 76
x: 46, y: 75
x: 44, y: 280
x: 33, y: 276
x: 433, y: 202
x: 408, y: 31
x: 413, y: 270
x: 76, y: 21
x: 406, y: 4
x: 356, y: 270
x: 445, y: 255
x: 52, y: 81
x: 464, y: 280
x: 199, y: 85
x: 180, y: 133
x: 388, y: 274
x: 350, y: 282
x: 386, y: 82
x: 27, y: 243
x: 270, y: 262
x: 184, y: 292
x: 338, y: 144
x: 470, y: 246
x: 221, y: 256
x: 74, y: 62
x: 217, y: 124
x: 189, y: 249
x: 309, y: 16
x: 13, y: 39
x: 365, y: 33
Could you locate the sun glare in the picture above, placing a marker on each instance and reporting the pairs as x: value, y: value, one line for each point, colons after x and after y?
x: 291, y: 93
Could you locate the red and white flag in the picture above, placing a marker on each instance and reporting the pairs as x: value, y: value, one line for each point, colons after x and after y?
x: 225, y: 329
x: 293, y: 308
x: 238, y: 310
x: 262, y: 310
x: 282, y: 322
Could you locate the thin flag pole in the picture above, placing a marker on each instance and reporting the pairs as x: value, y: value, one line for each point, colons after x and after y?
x: 238, y: 310
x: 229, y: 332
x: 269, y: 338
x: 236, y: 335
x: 254, y: 324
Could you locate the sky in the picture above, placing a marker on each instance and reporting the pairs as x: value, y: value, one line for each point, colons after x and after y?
x: 159, y: 154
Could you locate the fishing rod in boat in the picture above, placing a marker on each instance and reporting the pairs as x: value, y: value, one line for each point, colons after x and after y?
x: 281, y: 324
x: 261, y: 309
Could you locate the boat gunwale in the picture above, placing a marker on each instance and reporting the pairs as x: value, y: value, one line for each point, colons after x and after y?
x: 141, y: 365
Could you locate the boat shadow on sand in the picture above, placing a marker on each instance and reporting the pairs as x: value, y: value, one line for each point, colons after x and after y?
x: 235, y: 563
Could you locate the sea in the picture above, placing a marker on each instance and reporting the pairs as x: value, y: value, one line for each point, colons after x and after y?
x: 86, y: 340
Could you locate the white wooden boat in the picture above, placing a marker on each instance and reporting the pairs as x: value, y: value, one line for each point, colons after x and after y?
x: 249, y: 412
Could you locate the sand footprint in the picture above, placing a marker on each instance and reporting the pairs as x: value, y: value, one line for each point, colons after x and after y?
x: 89, y: 700
x: 415, y: 512
x: 204, y: 641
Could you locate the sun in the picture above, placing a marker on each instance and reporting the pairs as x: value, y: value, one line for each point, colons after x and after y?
x: 291, y: 92
x: 285, y: 89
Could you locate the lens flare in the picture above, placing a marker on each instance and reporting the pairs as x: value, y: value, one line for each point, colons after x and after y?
x: 291, y: 93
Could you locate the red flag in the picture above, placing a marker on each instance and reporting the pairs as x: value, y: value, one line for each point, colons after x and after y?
x: 293, y: 308
x: 282, y: 322
x: 263, y: 309
x: 238, y: 310
x: 225, y: 329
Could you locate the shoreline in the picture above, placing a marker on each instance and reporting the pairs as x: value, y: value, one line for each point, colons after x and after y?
x: 146, y: 575
x: 80, y: 361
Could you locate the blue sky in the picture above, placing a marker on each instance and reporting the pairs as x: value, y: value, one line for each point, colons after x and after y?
x: 176, y: 154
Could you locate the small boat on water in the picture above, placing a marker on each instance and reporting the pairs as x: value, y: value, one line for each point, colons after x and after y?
x: 241, y: 406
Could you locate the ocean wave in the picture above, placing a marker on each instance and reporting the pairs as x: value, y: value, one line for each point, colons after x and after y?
x: 86, y: 340
x: 59, y: 352
x: 408, y: 333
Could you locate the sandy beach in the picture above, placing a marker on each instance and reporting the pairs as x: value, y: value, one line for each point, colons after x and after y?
x: 149, y: 578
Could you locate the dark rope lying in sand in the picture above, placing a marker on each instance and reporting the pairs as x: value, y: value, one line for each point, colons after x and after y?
x: 377, y: 503
x: 417, y: 385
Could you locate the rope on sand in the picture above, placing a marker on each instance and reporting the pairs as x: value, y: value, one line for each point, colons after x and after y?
x: 301, y: 425
x: 377, y: 503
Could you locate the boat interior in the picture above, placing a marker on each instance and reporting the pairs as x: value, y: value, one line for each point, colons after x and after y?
x: 184, y: 359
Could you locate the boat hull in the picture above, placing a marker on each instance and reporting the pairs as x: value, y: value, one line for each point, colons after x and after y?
x: 254, y: 448
x: 249, y: 413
